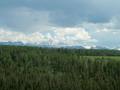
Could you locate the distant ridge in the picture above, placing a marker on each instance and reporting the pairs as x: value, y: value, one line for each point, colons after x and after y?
x: 19, y: 43
x: 12, y: 43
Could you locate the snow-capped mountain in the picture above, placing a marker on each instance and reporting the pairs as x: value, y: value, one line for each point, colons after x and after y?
x: 19, y: 43
x: 12, y: 43
x: 98, y: 47
x: 95, y: 47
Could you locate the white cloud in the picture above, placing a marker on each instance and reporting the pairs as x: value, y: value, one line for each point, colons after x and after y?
x: 107, y: 34
x: 56, y: 36
x: 77, y: 33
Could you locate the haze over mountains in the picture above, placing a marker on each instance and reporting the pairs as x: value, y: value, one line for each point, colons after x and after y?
x: 19, y: 43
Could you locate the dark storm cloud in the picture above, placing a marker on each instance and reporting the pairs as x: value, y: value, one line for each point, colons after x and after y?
x: 70, y: 12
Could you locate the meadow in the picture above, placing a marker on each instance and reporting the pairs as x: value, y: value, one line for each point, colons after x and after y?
x: 34, y: 68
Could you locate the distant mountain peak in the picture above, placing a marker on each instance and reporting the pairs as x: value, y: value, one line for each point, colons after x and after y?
x: 20, y: 43
x: 11, y: 43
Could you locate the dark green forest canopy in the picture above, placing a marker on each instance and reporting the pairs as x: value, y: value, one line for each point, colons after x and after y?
x: 35, y: 68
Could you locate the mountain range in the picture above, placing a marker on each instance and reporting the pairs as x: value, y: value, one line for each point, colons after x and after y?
x: 19, y: 43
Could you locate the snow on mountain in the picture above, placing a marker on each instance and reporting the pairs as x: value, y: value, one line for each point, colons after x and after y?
x: 19, y: 43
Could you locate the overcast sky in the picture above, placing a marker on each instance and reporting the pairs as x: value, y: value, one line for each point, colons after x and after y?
x: 61, y: 22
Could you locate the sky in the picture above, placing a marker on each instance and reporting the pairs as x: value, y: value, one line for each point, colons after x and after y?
x: 61, y: 22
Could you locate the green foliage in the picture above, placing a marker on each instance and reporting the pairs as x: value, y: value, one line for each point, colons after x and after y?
x: 32, y: 68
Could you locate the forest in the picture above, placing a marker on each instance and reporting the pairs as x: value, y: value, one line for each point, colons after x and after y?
x: 36, y: 68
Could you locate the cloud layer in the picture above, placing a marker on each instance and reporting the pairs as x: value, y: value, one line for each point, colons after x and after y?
x: 57, y: 36
x: 76, y: 22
